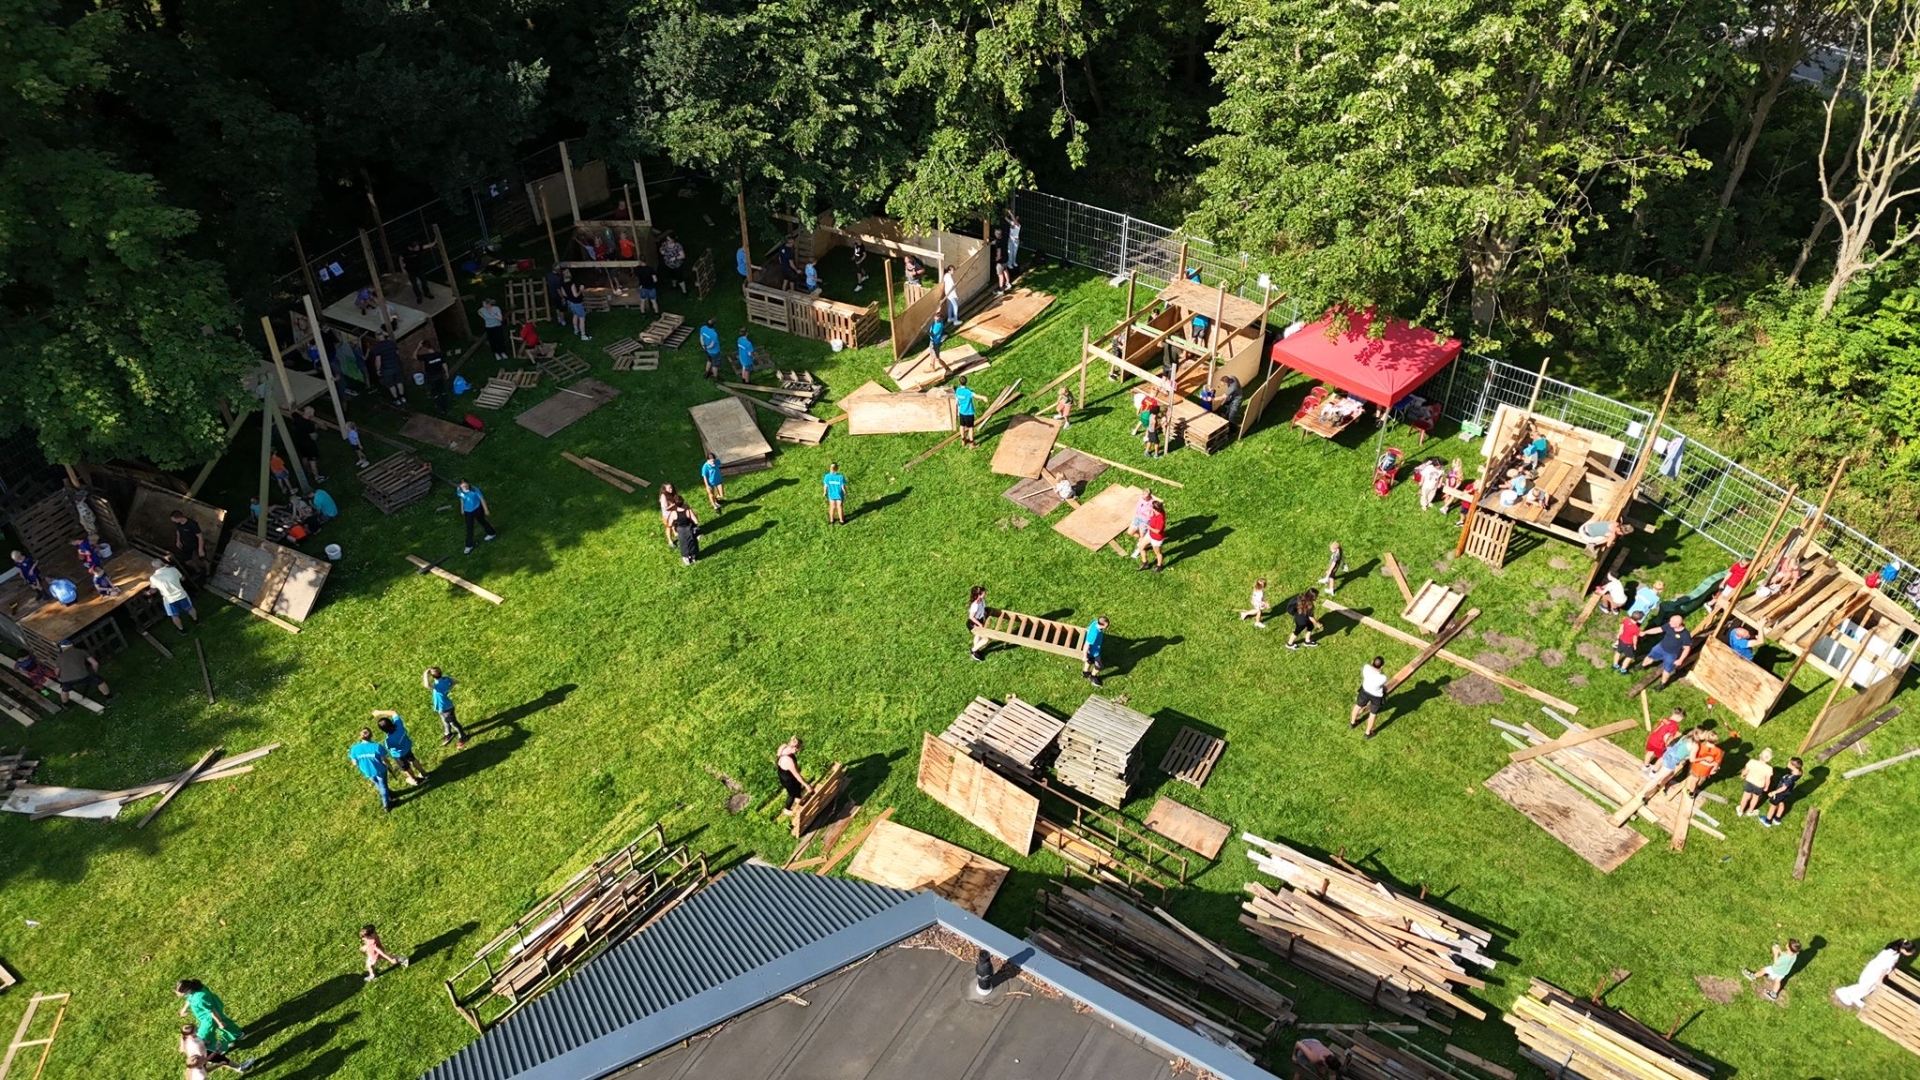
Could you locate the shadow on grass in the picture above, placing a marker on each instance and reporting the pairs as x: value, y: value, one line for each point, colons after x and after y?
x: 768, y: 488
x: 310, y: 1004
x: 1195, y: 535
x: 511, y: 717
x: 327, y: 1064
x: 1125, y: 654
x: 734, y: 512
x: 444, y: 941
x: 865, y: 776
x: 310, y: 1038
x: 739, y: 539
x: 478, y: 757
x: 879, y: 504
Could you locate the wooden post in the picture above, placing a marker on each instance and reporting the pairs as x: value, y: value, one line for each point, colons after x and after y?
x: 379, y: 290
x: 266, y: 451
x: 1086, y: 333
x: 1754, y: 573
x: 1180, y: 273
x: 886, y: 268
x: 1213, y: 331
x: 640, y: 185
x: 326, y: 366
x: 1623, y: 501
x: 273, y: 353
x: 293, y: 452
x: 1539, y: 381
x: 740, y: 202
x: 453, y: 283
x: 379, y: 223
x: 566, y: 170
x: 626, y: 200
x: 1132, y: 277
x: 546, y: 215
x: 1820, y: 515
x: 306, y: 268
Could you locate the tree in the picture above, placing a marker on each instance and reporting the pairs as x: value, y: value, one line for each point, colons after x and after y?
x: 1878, y: 82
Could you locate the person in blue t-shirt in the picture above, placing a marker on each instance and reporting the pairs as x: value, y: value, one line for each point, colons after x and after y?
x: 1535, y: 453
x: 1744, y: 641
x: 836, y: 489
x: 813, y: 276
x: 1096, y: 638
x: 716, y: 484
x: 936, y: 337
x: 399, y: 745
x: 741, y: 264
x: 743, y: 347
x: 710, y: 347
x: 473, y: 507
x: 442, y: 686
x: 370, y: 758
x: 963, y: 404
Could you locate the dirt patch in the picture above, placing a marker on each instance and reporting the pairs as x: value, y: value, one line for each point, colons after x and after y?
x: 731, y: 784
x: 1021, y: 523
x: 1441, y: 566
x: 1475, y: 690
x: 1591, y: 653
x: 1576, y: 680
x: 1718, y: 990
x: 1552, y: 657
x: 1563, y: 592
x: 1496, y: 661
x: 1559, y: 563
x: 738, y: 803
x: 1518, y: 648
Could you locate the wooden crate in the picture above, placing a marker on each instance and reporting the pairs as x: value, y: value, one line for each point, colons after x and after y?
x: 394, y: 482
x: 1017, y: 734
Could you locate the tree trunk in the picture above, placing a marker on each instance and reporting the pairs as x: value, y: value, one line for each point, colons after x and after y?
x: 1743, y: 152
x: 1488, y: 261
x: 1806, y: 248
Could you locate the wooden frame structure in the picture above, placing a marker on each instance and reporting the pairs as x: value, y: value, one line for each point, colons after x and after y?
x: 1578, y: 477
x: 21, y: 1042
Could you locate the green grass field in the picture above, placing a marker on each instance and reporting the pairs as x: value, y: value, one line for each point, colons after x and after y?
x: 613, y: 679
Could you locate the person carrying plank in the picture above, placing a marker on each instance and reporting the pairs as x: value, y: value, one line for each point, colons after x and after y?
x: 786, y: 764
x: 1096, y: 639
x: 963, y: 405
x: 835, y: 485
x: 370, y: 758
x: 1677, y: 754
x: 1372, y: 695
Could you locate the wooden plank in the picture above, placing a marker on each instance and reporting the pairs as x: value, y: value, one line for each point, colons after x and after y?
x: 1098, y: 520
x: 1025, y: 446
x: 899, y: 414
x: 1128, y: 468
x: 568, y: 405
x: 902, y: 858
x: 621, y: 473
x: 1881, y: 764
x: 1004, y: 316
x: 1565, y: 814
x: 1806, y: 844
x: 978, y: 794
x: 1393, y: 570
x: 206, y: 677
x: 603, y: 477
x: 430, y: 568
x: 1188, y: 827
x: 728, y: 432
x: 1432, y: 650
x: 185, y: 779
x: 441, y: 434
x: 256, y: 612
x: 1748, y: 690
x: 1857, y: 734
x: 1571, y: 739
x: 840, y: 854
x: 1455, y: 659
x: 1683, y: 821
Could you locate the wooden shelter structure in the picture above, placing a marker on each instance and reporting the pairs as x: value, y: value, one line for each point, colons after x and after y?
x: 46, y: 530
x: 1578, y: 483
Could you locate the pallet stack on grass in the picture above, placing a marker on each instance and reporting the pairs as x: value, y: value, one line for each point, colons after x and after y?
x: 1162, y: 964
x: 1355, y: 934
x: 1894, y: 1010
x: 1100, y: 749
x: 667, y: 331
x: 1016, y: 736
x: 393, y: 482
x: 1582, y: 1040
x: 1207, y: 432
x: 631, y: 355
x: 600, y: 906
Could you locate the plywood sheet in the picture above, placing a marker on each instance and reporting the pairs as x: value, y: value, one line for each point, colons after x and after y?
x: 978, y: 794
x: 903, y: 858
x: 1188, y: 827
x: 269, y: 576
x: 300, y: 589
x: 1005, y: 316
x: 728, y: 432
x: 1748, y: 690
x: 920, y: 372
x: 149, y: 525
x: 1102, y: 517
x: 441, y: 434
x: 1024, y: 448
x: 568, y: 405
x: 898, y: 414
x: 1567, y: 815
x: 1039, y: 495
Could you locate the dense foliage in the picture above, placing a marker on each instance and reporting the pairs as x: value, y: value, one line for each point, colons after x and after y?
x: 1721, y: 185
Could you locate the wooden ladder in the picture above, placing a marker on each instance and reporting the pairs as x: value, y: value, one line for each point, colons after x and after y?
x: 1033, y: 632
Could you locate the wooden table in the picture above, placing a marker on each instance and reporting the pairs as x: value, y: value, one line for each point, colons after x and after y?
x: 51, y: 621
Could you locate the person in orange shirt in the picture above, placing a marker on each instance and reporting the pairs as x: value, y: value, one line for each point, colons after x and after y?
x: 1707, y: 758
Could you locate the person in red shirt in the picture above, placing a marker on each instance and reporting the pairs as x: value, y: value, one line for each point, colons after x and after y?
x: 1153, y: 537
x: 1730, y: 588
x: 1663, y: 733
x: 529, y: 337
x: 1626, y: 647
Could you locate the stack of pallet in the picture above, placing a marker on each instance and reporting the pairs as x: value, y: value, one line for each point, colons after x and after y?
x: 668, y: 331
x: 393, y: 482
x: 16, y: 769
x: 631, y: 355
x: 1583, y: 1040
x: 1359, y: 936
x: 1162, y: 964
x: 1100, y: 749
x: 1894, y: 1010
x: 1016, y: 735
x: 1207, y: 432
x: 1371, y: 1052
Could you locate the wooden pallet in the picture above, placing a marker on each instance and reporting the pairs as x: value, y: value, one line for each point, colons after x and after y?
x: 638, y: 359
x: 1489, y: 538
x: 804, y: 432
x: 16, y: 769
x: 523, y: 378
x: 396, y: 481
x: 1894, y: 1010
x: 528, y: 301
x: 1017, y: 734
x: 901, y: 858
x: 563, y: 367
x: 818, y: 804
x: 1100, y: 749
x: 596, y: 301
x: 45, y: 1044
x: 495, y: 394
x: 1192, y: 756
x: 1431, y: 607
x: 656, y: 335
x: 1033, y: 632
x: 677, y: 338
x: 703, y: 273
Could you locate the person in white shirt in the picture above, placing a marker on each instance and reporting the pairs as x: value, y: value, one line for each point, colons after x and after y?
x: 952, y: 289
x: 172, y: 587
x: 1875, y: 973
x: 1373, y: 694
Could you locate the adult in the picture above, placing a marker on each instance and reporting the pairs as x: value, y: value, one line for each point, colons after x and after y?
x: 1013, y: 241
x: 440, y: 685
x: 557, y: 292
x: 963, y: 404
x: 385, y: 355
x: 215, y: 1030
x: 1743, y: 641
x: 473, y: 507
x: 1672, y: 650
x: 433, y: 365
x: 1231, y: 399
x: 189, y: 541
x: 305, y: 428
x: 370, y: 758
x: 786, y: 765
x: 741, y: 264
x: 77, y: 669
x: 789, y: 269
x: 647, y: 283
x: 166, y: 580
x: 951, y: 287
x: 1096, y: 642
x: 686, y: 533
x: 997, y: 252
x: 494, y: 321
x: 1875, y: 973
x: 415, y: 260
x: 977, y: 621
x: 669, y: 498
x: 1372, y: 695
x: 576, y: 297
x: 743, y: 354
x: 1304, y: 622
x: 834, y: 483
x: 710, y: 347
x: 673, y: 261
x: 1313, y: 1058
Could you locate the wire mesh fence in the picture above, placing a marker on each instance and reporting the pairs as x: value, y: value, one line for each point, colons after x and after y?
x: 1710, y: 493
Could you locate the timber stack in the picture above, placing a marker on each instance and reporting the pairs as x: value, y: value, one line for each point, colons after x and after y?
x: 1584, y: 1040
x: 1894, y: 1010
x: 1369, y: 1055
x: 1100, y: 749
x: 1162, y: 964
x: 1357, y: 935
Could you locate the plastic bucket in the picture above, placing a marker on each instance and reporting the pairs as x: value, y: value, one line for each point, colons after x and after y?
x: 333, y: 552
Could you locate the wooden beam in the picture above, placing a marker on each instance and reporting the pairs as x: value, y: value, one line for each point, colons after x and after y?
x: 740, y: 202
x: 850, y: 846
x: 1878, y: 765
x: 640, y: 185
x: 1646, y: 714
x: 205, y: 677
x: 1539, y: 380
x: 273, y: 353
x: 621, y: 473
x: 200, y: 478
x: 1820, y: 515
x: 266, y: 457
x: 893, y: 339
x: 1860, y: 731
x: 1128, y: 468
x: 326, y: 363
x: 1571, y: 739
x: 1447, y: 633
x: 612, y: 480
x: 1399, y: 578
x: 1755, y: 574
x: 256, y: 612
x: 185, y: 779
x: 1456, y: 659
x: 1683, y: 821
x: 1004, y: 399
x: 566, y: 171
x: 429, y: 568
x: 1806, y: 844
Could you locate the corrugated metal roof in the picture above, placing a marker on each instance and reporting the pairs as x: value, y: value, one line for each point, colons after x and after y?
x: 752, y: 917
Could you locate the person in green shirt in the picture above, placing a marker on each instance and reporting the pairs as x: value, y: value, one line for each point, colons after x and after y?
x: 211, y: 1023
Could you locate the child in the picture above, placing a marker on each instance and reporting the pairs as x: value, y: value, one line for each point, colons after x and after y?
x: 1096, y: 638
x: 1301, y: 608
x: 716, y: 484
x: 1206, y: 397
x: 1063, y: 408
x: 1613, y: 594
x: 1142, y: 510
x: 353, y: 440
x: 1150, y: 429
x: 1372, y: 695
x: 1626, y: 647
x: 399, y: 745
x: 1755, y: 779
x: 977, y: 620
x: 963, y: 406
x: 1154, y: 538
x: 530, y: 338
x: 1431, y: 474
x: 29, y: 572
x: 936, y: 337
x: 1139, y: 404
x: 1774, y: 975
x: 1707, y: 759
x: 375, y: 952
x: 1257, y: 605
x: 1660, y: 738
x: 1336, y: 565
x: 859, y: 265
x: 103, y: 584
x: 836, y: 489
x: 441, y: 686
x: 1783, y: 786
x: 89, y: 558
x: 277, y: 465
x: 1677, y: 754
x: 813, y: 277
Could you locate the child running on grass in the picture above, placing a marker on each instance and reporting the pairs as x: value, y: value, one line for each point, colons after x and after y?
x: 1257, y: 605
x: 1301, y: 608
x: 716, y: 484
x: 376, y: 952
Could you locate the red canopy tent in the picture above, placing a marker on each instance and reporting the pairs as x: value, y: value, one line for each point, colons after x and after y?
x: 1381, y: 369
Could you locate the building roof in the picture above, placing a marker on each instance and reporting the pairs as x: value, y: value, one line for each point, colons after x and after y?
x: 1381, y: 364
x: 756, y: 933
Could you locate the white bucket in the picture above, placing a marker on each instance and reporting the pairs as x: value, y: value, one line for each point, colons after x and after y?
x: 419, y: 378
x: 333, y: 552
x: 836, y: 344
